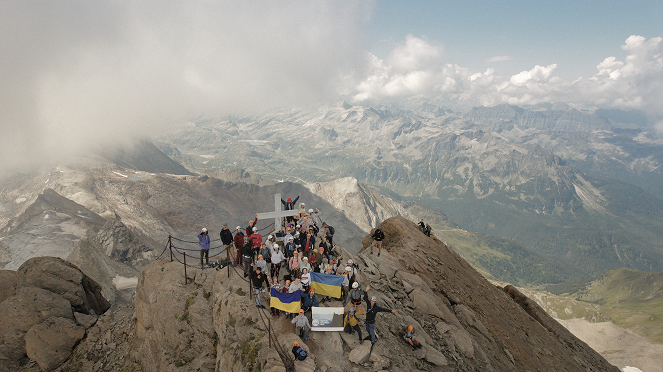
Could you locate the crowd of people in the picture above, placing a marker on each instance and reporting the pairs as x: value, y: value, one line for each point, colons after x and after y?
x: 305, y: 244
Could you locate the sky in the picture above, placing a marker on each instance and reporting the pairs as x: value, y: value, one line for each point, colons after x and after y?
x: 75, y: 75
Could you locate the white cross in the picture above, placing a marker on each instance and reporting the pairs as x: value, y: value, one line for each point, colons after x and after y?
x: 278, y: 214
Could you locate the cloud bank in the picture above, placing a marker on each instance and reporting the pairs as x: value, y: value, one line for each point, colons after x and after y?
x: 76, y: 75
x: 418, y: 67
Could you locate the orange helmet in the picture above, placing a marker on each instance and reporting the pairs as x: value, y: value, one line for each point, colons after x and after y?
x: 295, y: 343
x: 410, y: 328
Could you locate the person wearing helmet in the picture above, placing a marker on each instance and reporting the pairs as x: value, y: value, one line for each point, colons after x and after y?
x: 239, y: 242
x: 411, y: 338
x: 277, y: 259
x: 293, y: 264
x: 301, y: 325
x: 203, y: 238
x: 300, y: 354
x: 351, y: 322
x: 356, y: 294
x: 251, y: 225
x: 290, y: 205
x: 261, y: 263
x: 302, y: 208
x: 352, y: 276
x: 289, y: 248
x: 274, y: 284
x: 316, y: 220
x: 372, y: 310
x: 256, y: 239
x: 345, y: 286
x: 378, y: 237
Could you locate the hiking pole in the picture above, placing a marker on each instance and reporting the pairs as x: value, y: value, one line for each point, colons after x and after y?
x: 184, y: 268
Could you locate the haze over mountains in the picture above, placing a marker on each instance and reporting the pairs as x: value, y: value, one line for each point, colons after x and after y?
x: 583, y: 187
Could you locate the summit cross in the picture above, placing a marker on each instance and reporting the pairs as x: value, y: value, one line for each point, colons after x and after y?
x: 278, y: 214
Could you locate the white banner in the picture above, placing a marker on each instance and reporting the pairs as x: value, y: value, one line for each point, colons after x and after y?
x: 327, y: 319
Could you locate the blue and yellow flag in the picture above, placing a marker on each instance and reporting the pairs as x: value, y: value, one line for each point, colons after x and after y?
x: 288, y: 302
x: 327, y: 284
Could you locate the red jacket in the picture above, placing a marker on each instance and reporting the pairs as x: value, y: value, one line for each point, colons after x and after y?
x: 256, y: 239
x: 239, y: 240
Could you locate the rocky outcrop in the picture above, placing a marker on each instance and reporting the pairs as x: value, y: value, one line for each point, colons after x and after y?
x: 37, y: 317
x: 210, y: 321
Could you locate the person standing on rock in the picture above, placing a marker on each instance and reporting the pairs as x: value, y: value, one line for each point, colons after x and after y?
x: 257, y: 279
x: 290, y: 205
x: 203, y: 238
x: 239, y: 242
x: 372, y: 309
x: 351, y: 322
x: 355, y: 296
x: 247, y: 256
x: 301, y: 325
x: 252, y: 224
x: 378, y: 237
x: 226, y: 237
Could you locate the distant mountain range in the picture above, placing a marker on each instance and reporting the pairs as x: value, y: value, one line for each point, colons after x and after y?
x: 584, y: 188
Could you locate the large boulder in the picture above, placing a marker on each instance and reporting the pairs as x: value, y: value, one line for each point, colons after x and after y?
x: 19, y: 313
x: 50, y: 343
x: 64, y: 278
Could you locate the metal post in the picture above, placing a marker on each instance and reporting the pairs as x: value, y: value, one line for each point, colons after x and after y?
x: 170, y: 246
x: 184, y: 268
x: 228, y: 258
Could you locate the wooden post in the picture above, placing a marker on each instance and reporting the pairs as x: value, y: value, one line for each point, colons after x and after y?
x: 185, y: 280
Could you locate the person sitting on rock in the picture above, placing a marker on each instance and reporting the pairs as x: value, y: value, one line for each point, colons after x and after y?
x: 309, y: 300
x: 351, y: 322
x: 411, y: 338
x: 427, y: 230
x: 378, y: 237
x: 301, y: 325
x: 422, y: 226
x: 257, y: 280
x: 300, y: 354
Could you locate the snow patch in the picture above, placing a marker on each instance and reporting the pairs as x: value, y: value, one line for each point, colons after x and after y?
x: 120, y: 174
x: 121, y: 282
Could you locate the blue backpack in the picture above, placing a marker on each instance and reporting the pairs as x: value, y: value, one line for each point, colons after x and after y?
x: 301, y: 353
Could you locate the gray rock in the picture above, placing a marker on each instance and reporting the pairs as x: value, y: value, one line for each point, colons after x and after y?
x: 360, y: 354
x: 435, y: 357
x: 65, y: 279
x: 50, y: 343
x: 457, y: 337
x: 8, y: 282
x: 84, y: 320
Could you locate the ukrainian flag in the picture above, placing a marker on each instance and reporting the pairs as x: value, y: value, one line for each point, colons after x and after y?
x: 288, y: 302
x: 327, y: 284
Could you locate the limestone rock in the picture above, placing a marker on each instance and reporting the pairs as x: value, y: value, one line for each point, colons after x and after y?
x: 50, y: 343
x: 456, y: 337
x: 371, y: 267
x: 360, y: 354
x: 64, y: 278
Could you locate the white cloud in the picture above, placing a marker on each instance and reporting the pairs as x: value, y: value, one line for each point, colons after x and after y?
x: 636, y: 82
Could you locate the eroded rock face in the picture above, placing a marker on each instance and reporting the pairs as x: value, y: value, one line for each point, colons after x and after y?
x: 37, y: 319
x: 9, y: 280
x: 64, y: 278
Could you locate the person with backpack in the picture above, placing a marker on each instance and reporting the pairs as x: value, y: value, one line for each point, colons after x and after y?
x: 351, y: 322
x: 301, y: 325
x: 378, y: 237
x: 300, y: 354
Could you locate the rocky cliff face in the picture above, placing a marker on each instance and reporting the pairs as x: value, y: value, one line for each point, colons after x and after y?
x: 45, y: 308
x: 466, y: 323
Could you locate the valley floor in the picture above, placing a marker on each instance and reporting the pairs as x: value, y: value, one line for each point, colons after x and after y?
x: 620, y: 346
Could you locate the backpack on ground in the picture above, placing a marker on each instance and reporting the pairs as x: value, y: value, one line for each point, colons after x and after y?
x: 301, y: 353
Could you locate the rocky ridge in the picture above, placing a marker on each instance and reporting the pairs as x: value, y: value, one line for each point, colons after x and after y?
x: 466, y: 323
